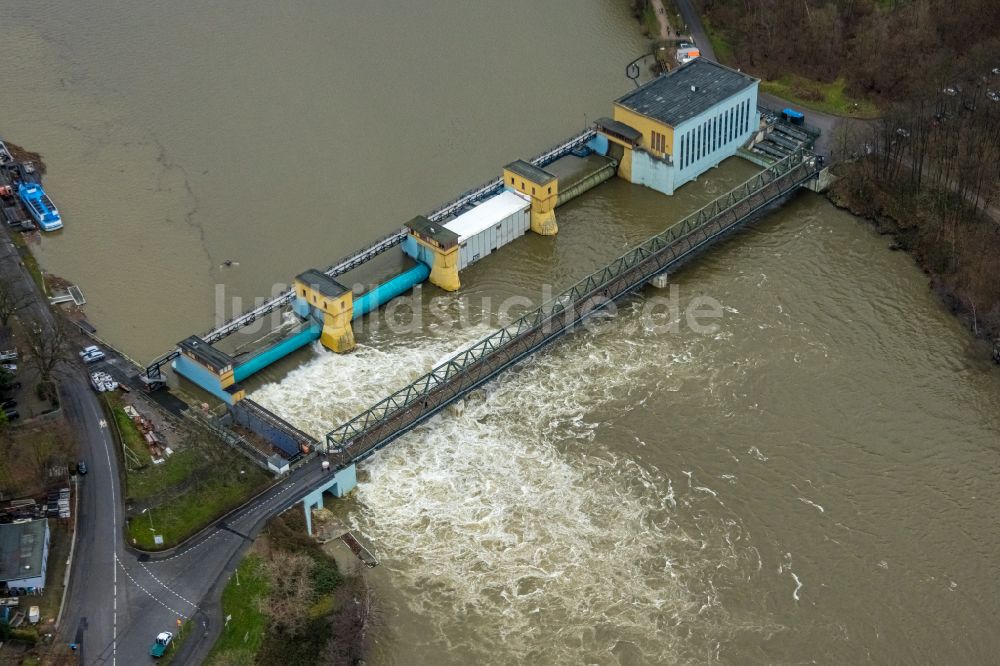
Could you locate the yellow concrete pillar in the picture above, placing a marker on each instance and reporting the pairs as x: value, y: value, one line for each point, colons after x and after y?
x: 437, y: 246
x: 541, y: 187
x: 338, y: 335
x: 444, y: 270
x: 319, y: 292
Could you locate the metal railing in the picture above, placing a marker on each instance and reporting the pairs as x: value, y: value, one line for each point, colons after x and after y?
x: 493, y: 186
x: 394, y: 415
x: 369, y: 252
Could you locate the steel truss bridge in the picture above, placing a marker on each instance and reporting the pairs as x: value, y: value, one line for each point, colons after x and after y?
x: 153, y: 373
x: 374, y: 428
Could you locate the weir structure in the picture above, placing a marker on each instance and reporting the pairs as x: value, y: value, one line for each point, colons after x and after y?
x: 379, y: 425
x: 153, y: 374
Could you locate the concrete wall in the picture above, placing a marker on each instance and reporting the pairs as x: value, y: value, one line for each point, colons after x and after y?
x: 599, y: 144
x: 201, y: 376
x: 652, y: 172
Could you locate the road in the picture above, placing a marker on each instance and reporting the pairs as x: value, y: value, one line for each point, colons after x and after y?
x: 119, y: 599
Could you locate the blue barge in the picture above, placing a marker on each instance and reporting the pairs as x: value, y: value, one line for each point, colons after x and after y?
x: 40, y: 206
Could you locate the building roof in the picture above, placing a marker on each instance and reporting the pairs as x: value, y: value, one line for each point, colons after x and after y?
x: 205, y: 353
x: 437, y: 232
x: 529, y: 171
x: 626, y: 132
x: 321, y: 282
x: 22, y: 550
x: 683, y: 93
x: 486, y: 214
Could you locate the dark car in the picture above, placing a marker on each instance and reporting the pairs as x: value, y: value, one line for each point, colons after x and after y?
x: 10, y: 403
x: 81, y: 467
x: 11, y: 414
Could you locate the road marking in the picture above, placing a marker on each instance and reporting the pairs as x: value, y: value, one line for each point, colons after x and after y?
x: 113, y: 472
x: 164, y: 586
x: 148, y: 593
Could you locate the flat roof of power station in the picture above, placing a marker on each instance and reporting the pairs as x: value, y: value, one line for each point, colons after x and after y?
x: 685, y: 92
x: 321, y: 282
x: 486, y: 214
x: 205, y: 353
x: 530, y: 171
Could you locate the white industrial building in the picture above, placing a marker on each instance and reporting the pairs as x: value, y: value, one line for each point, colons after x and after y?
x: 490, y: 225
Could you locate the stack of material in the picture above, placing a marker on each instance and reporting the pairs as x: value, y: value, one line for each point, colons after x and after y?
x: 58, y: 503
x: 102, y: 382
x: 148, y: 430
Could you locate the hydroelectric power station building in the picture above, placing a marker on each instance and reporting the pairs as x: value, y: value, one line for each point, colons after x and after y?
x: 674, y: 128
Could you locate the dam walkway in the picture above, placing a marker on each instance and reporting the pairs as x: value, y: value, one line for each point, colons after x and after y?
x: 379, y: 425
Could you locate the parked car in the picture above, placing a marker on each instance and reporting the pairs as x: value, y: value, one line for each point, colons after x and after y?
x: 93, y: 357
x: 11, y: 414
x: 160, y: 645
x: 9, y: 403
x: 81, y: 467
x: 9, y: 367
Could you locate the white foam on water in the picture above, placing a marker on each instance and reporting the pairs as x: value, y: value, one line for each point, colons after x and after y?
x: 510, y: 530
x: 798, y: 586
x: 813, y: 504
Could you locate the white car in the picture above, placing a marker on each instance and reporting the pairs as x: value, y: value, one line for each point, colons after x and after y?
x: 91, y: 354
x: 93, y: 357
x: 9, y: 367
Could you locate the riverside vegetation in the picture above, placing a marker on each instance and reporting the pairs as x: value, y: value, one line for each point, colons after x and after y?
x: 928, y: 170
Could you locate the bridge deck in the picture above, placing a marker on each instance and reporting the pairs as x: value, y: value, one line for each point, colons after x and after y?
x: 379, y: 425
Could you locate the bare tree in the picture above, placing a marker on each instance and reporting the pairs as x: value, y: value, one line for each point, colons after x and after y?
x: 287, y: 605
x: 47, y: 349
x: 11, y: 301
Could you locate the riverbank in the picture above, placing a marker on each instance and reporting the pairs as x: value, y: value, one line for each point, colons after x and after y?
x: 958, y: 258
x: 289, y: 603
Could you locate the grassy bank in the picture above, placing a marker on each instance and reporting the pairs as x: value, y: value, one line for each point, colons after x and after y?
x: 196, y: 485
x: 243, y: 634
x: 29, y: 261
x: 290, y: 605
x: 827, y: 97
x: 720, y: 44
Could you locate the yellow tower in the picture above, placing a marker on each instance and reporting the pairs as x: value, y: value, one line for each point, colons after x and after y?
x: 542, y: 187
x: 321, y: 293
x: 436, y: 246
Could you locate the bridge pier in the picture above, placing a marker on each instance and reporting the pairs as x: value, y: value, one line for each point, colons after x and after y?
x: 339, y: 484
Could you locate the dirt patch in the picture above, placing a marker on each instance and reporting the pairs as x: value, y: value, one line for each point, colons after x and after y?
x: 22, y: 155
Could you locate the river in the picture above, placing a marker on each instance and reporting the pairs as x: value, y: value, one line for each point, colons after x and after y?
x: 810, y: 476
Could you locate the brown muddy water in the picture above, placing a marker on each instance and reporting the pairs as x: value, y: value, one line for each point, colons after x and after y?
x: 813, y: 479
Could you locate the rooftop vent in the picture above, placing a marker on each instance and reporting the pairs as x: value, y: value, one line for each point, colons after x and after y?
x: 694, y: 88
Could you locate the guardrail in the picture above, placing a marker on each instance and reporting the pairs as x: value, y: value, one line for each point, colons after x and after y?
x: 394, y: 415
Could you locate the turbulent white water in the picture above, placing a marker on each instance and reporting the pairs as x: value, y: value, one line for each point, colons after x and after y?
x: 512, y: 530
